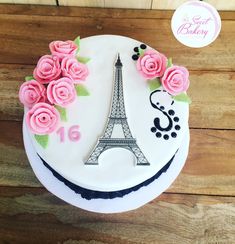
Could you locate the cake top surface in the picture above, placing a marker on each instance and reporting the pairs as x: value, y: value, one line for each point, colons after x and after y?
x: 148, y: 115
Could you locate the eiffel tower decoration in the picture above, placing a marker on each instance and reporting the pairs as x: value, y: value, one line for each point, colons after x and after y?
x: 117, y: 117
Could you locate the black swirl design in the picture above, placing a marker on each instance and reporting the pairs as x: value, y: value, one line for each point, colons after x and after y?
x: 166, y: 131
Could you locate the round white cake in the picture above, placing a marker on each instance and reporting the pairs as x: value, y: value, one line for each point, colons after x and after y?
x: 125, y: 130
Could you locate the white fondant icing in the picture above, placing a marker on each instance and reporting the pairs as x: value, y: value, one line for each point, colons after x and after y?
x: 116, y: 169
x: 128, y: 202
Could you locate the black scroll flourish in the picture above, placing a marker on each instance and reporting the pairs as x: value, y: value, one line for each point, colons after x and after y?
x: 156, y: 120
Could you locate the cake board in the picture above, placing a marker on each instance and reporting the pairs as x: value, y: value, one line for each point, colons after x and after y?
x: 128, y: 202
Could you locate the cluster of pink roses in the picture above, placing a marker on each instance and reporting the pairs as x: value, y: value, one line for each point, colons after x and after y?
x: 53, y: 83
x: 174, y: 79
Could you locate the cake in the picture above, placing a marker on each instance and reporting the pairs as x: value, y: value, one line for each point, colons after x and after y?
x: 106, y: 114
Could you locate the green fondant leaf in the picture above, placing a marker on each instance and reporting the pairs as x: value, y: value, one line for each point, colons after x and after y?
x: 62, y: 111
x: 182, y: 97
x: 83, y: 60
x: 141, y: 51
x: 42, y: 140
x: 169, y: 62
x: 154, y: 84
x: 30, y: 77
x: 81, y: 90
x: 77, y: 41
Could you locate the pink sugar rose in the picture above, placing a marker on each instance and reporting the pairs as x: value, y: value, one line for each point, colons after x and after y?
x: 175, y: 80
x: 152, y: 64
x: 61, y: 92
x: 47, y: 69
x: 63, y: 49
x: 42, y: 119
x: 73, y: 69
x: 32, y: 92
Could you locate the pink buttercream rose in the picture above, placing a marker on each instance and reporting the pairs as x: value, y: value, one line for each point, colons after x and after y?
x: 61, y: 92
x: 47, y: 69
x: 73, y: 69
x: 42, y: 119
x: 175, y: 80
x: 32, y: 92
x: 152, y: 64
x: 63, y: 49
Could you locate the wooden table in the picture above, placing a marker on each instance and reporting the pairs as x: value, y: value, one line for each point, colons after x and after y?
x: 198, y: 208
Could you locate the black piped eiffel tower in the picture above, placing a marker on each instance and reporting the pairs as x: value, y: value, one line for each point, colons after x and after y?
x: 117, y: 117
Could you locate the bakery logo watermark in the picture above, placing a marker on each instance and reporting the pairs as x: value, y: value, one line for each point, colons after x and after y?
x: 196, y: 24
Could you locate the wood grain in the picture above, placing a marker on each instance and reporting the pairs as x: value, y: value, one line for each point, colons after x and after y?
x: 210, y: 164
x: 222, y: 5
x: 39, y: 2
x: 171, y: 218
x: 209, y: 168
x: 25, y: 38
x: 169, y: 4
x: 133, y: 4
x: 95, y: 13
x: 212, y: 107
x: 173, y: 4
x: 82, y: 3
x: 87, y: 12
x: 128, y: 4
x: 12, y: 77
x: 13, y: 160
x: 213, y: 104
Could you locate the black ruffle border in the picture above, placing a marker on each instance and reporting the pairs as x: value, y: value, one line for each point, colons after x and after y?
x: 91, y: 194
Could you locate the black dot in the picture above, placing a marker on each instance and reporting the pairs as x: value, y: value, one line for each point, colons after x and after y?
x: 153, y: 129
x: 157, y: 103
x: 176, y: 119
x: 138, y: 54
x: 158, y: 134
x: 177, y: 127
x: 166, y: 137
x: 171, y: 112
x: 173, y: 134
x: 136, y: 49
x: 135, y: 57
x: 162, y: 108
x: 143, y: 46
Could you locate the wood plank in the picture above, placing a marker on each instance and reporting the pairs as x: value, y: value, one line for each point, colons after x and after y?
x: 134, y: 4
x: 209, y: 168
x: 171, y: 218
x: 173, y: 4
x: 140, y: 4
x: 86, y: 12
x: 222, y: 5
x: 82, y: 3
x: 212, y: 107
x: 95, y: 13
x: 167, y: 4
x: 40, y: 2
x: 12, y: 154
x: 12, y: 76
x: 210, y: 164
x: 24, y: 45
